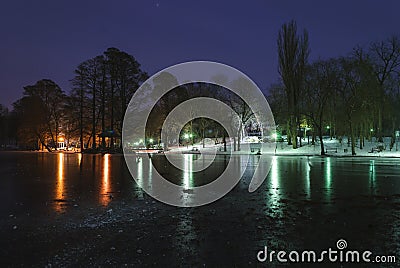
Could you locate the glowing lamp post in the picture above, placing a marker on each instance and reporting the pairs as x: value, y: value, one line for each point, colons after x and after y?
x: 330, y: 131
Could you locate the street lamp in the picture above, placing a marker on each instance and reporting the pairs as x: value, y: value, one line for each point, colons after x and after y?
x: 330, y: 131
x: 371, y: 130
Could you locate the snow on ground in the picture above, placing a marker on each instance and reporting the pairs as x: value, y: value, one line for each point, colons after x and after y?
x: 332, y: 146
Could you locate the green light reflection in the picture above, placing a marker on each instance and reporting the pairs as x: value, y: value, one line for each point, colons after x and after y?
x: 328, y: 179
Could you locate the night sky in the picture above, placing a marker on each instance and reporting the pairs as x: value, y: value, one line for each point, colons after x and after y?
x: 48, y: 39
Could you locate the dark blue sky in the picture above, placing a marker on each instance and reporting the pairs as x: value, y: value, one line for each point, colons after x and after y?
x: 48, y: 39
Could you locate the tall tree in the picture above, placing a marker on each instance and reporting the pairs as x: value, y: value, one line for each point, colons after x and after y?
x: 105, y: 85
x: 125, y: 77
x: 386, y: 62
x: 48, y: 99
x: 80, y: 94
x: 293, y: 51
x: 321, y: 83
x: 88, y: 78
x: 357, y: 83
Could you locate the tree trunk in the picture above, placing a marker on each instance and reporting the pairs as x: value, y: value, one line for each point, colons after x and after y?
x: 239, y: 134
x: 380, y: 125
x: 81, y: 121
x: 353, y: 142
x: 56, y: 131
x: 293, y: 132
x: 289, y: 134
x: 300, y: 138
x: 203, y: 134
x: 313, y: 136
x: 42, y: 142
x: 112, y: 116
x: 123, y: 109
x: 103, y: 123
x: 94, y: 116
x: 320, y: 134
x: 224, y: 143
x: 322, y: 142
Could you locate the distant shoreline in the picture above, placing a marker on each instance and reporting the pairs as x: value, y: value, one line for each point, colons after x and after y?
x: 371, y: 155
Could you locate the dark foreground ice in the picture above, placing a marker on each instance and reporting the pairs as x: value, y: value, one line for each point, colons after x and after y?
x: 73, y: 210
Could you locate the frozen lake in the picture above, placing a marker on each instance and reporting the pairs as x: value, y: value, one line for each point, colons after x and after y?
x: 305, y: 202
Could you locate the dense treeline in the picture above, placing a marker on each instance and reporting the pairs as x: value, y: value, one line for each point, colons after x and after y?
x: 355, y: 96
x: 102, y: 89
x: 90, y: 117
x: 93, y: 110
x: 200, y: 128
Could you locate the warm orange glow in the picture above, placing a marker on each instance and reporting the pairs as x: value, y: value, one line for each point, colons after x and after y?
x: 60, y: 139
x: 105, y: 195
x: 79, y: 159
x: 60, y: 184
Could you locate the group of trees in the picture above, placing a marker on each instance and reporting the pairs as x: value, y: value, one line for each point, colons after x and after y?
x: 90, y: 116
x: 356, y: 96
x: 199, y: 128
x: 102, y: 89
x: 93, y: 110
x: 39, y: 114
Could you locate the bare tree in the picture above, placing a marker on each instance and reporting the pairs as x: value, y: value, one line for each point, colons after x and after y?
x: 386, y: 63
x: 51, y: 97
x: 293, y: 51
x: 357, y: 84
x: 320, y: 86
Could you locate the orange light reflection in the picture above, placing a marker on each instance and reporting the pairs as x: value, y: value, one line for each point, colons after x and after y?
x: 59, y: 200
x: 79, y: 158
x: 105, y: 191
